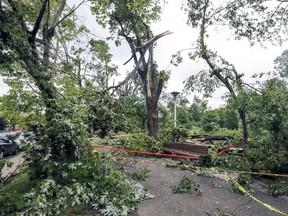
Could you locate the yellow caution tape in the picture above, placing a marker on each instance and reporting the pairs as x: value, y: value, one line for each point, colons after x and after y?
x: 205, y: 168
x: 246, y: 193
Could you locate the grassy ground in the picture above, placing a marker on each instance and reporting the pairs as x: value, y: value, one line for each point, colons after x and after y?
x: 11, y: 199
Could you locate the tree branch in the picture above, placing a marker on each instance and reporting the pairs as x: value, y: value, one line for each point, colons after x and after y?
x: 38, y: 22
x: 58, y: 14
x: 128, y: 77
x: 55, y: 20
x: 152, y: 40
x: 246, y: 84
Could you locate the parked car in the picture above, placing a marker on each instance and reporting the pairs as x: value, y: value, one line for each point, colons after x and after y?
x: 7, y: 147
x: 21, y: 137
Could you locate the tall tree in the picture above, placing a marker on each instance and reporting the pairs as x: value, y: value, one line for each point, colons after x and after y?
x: 26, y: 33
x: 257, y: 21
x: 201, y: 14
x: 131, y: 19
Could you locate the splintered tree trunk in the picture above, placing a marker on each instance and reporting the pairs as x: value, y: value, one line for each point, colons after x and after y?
x: 242, y: 115
x: 152, y: 121
x: 152, y: 82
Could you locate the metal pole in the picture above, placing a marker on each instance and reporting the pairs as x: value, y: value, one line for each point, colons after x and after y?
x: 175, y: 111
x: 175, y: 97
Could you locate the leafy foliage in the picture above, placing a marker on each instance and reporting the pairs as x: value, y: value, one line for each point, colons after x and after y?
x: 179, y: 163
x: 20, y: 106
x: 142, y: 143
x: 186, y: 184
x: 138, y: 141
x: 178, y: 133
x: 197, y: 110
x: 91, y: 181
x: 142, y: 175
x: 244, y: 179
x: 269, y: 148
x: 278, y: 187
x: 11, y: 199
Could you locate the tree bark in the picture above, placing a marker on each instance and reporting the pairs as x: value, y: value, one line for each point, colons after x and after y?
x: 152, y: 120
x: 148, y: 73
x: 245, y: 134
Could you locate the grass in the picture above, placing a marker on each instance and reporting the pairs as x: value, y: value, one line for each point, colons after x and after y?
x: 11, y: 194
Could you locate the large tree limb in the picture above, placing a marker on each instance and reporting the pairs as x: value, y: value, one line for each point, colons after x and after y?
x: 58, y: 14
x: 150, y: 61
x: 152, y: 40
x: 38, y: 21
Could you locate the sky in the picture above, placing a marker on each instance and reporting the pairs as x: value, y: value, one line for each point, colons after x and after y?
x: 247, y: 60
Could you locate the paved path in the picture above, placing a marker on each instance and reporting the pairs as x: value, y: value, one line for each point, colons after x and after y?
x: 217, y: 197
x: 16, y: 160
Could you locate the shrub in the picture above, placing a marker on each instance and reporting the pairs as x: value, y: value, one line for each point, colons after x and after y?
x: 11, y: 195
x: 186, y: 184
x: 176, y: 134
x: 91, y: 182
x: 141, y: 175
x: 268, y: 145
x: 278, y: 188
x: 141, y: 143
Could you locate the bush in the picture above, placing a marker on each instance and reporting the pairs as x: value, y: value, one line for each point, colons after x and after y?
x: 90, y: 182
x: 267, y: 156
x: 141, y: 143
x: 278, y: 188
x: 268, y: 145
x: 141, y: 175
x: 231, y: 161
x: 206, y: 161
x: 175, y: 134
x: 244, y: 179
x: 11, y: 195
x: 234, y: 135
x: 186, y: 184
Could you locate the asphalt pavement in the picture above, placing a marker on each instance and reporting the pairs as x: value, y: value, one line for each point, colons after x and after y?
x: 16, y: 160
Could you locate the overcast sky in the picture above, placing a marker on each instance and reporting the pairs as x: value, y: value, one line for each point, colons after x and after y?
x: 248, y: 60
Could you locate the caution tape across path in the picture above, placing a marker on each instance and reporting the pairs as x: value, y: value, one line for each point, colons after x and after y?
x: 246, y: 193
x: 189, y: 157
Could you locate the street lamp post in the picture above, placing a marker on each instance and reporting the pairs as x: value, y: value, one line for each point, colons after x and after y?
x: 175, y: 96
